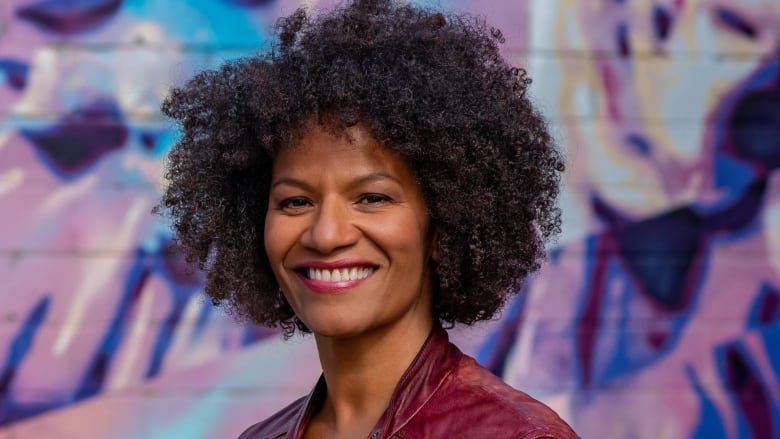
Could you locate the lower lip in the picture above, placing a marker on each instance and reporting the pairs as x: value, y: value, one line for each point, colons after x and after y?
x: 323, y: 287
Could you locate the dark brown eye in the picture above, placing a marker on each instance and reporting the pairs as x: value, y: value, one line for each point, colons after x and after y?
x: 374, y: 199
x: 294, y: 203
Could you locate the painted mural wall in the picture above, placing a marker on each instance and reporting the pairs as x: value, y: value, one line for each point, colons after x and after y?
x: 658, y: 315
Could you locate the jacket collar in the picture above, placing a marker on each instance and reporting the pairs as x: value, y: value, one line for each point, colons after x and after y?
x: 435, y: 361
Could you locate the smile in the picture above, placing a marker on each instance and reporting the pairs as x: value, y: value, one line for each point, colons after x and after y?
x: 334, y: 278
x: 339, y: 274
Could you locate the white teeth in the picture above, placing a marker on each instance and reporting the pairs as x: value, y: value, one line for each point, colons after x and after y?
x: 340, y: 275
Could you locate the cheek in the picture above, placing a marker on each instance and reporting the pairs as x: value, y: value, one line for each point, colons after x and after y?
x: 408, y: 238
x: 273, y: 239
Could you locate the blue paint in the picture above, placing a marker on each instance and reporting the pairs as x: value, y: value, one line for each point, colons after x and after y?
x: 200, y: 324
x: 755, y: 128
x: 216, y: 23
x: 770, y: 338
x: 765, y: 310
x: 662, y: 22
x: 19, y: 348
x: 624, y: 349
x: 182, y: 285
x: 14, y: 73
x: 659, y: 252
x: 733, y: 176
x: 95, y: 374
x: 622, y: 40
x: 736, y: 22
x: 66, y: 17
x: 24, y: 340
x: 743, y: 384
x: 639, y: 144
x: 163, y: 343
x: 710, y: 424
x: 73, y: 146
x: 494, y: 352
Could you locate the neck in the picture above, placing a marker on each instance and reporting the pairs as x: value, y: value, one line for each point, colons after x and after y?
x: 362, y: 372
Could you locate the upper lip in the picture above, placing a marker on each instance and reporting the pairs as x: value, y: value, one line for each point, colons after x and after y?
x: 332, y: 265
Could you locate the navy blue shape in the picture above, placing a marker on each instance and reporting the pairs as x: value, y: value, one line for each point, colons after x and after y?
x: 662, y: 22
x: 148, y: 140
x: 755, y: 128
x: 640, y: 143
x: 66, y: 17
x: 200, y: 324
x: 18, y: 350
x: 80, y: 140
x: 736, y: 22
x: 622, y: 38
x: 662, y: 252
x: 15, y: 73
x: 747, y: 390
x: 741, y: 213
x: 766, y: 308
x: 164, y: 340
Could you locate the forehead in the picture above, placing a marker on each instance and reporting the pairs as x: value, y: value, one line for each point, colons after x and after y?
x: 352, y: 150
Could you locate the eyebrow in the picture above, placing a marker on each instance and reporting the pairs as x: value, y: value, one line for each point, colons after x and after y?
x: 364, y: 179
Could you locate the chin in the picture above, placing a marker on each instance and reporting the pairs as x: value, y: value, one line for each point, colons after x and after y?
x: 334, y: 329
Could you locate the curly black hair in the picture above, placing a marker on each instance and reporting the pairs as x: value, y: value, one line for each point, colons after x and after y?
x: 432, y: 87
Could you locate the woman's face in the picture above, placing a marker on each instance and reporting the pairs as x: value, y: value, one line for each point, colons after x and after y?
x: 348, y: 234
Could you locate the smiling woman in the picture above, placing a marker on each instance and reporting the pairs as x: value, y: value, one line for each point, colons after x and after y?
x: 348, y: 236
x: 375, y: 174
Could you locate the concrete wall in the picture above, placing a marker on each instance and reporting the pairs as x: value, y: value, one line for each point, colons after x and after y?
x: 658, y: 315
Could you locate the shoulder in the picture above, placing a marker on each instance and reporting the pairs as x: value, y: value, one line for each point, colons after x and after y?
x: 278, y: 424
x: 475, y: 403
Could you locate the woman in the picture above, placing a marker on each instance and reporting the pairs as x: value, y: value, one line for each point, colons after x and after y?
x: 375, y: 174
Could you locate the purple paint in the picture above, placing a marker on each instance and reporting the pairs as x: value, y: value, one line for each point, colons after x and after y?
x: 623, y: 40
x: 657, y: 339
x: 588, y: 320
x: 748, y: 392
x: 662, y: 22
x: 755, y: 128
x: 639, y: 143
x: 79, y: 141
x: 15, y: 73
x: 148, y: 140
x: 735, y: 22
x: 177, y: 270
x: 612, y: 89
x: 769, y: 307
x: 66, y: 17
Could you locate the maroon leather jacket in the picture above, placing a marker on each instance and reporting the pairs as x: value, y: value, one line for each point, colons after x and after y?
x: 443, y: 394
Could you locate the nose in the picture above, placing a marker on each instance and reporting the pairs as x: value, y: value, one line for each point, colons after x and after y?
x: 331, y: 227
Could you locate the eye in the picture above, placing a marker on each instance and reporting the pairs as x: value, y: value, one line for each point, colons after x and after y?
x: 294, y: 204
x: 374, y: 199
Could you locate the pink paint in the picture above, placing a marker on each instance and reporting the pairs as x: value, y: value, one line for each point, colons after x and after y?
x: 612, y: 88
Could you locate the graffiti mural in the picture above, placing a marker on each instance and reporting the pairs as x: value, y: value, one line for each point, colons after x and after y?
x: 657, y: 315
